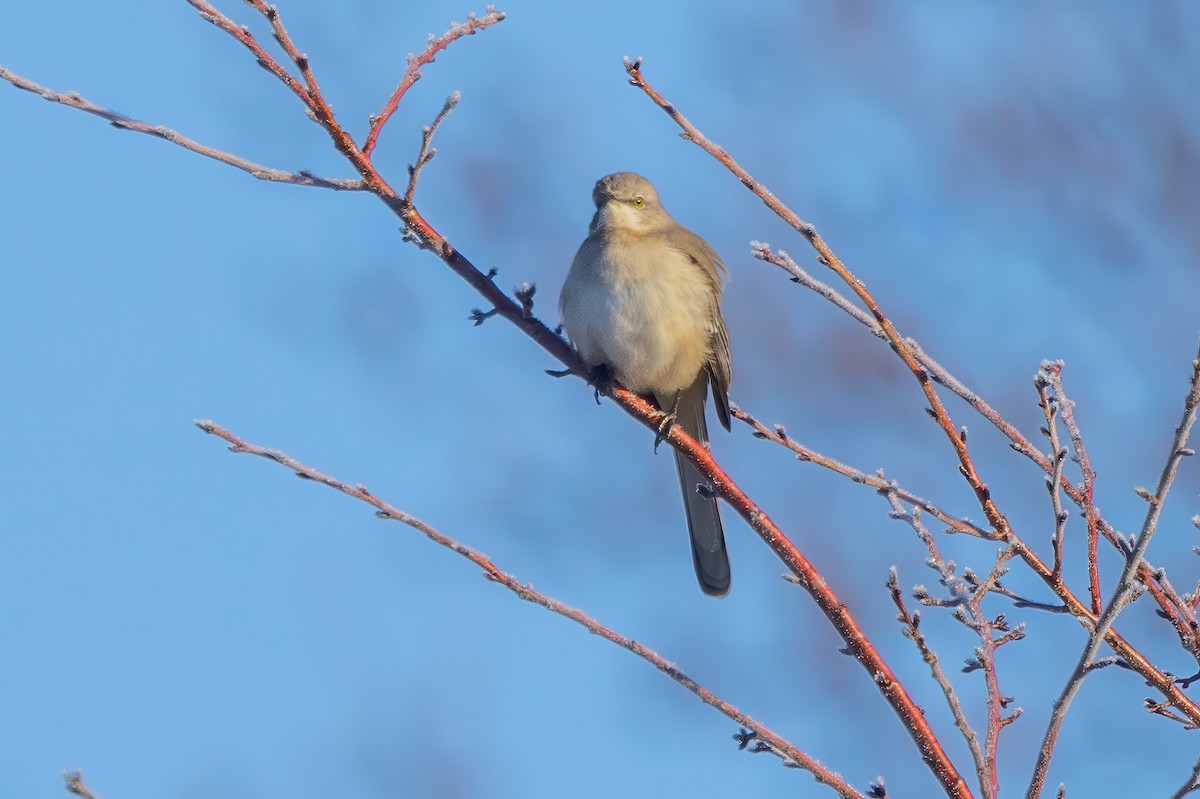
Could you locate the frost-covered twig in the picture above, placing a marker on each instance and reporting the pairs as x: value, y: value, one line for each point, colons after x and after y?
x: 1051, y: 372
x: 412, y: 72
x: 122, y: 122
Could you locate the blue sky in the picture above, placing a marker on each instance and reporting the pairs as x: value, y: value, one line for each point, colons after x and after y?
x: 1013, y: 181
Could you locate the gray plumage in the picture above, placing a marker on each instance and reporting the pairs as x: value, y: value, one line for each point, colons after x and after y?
x: 643, y: 298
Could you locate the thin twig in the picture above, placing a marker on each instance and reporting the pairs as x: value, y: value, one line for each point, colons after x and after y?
x: 915, y: 359
x: 763, y: 252
x: 209, y: 13
x: 427, y: 151
x: 1181, y: 614
x: 1058, y: 456
x: 123, y: 122
x: 494, y: 573
x: 289, y: 48
x: 413, y: 72
x: 985, y: 653
x: 1126, y: 586
x: 911, y: 622
x: 966, y: 597
x: 967, y: 593
x: 1053, y: 375
x: 877, y: 481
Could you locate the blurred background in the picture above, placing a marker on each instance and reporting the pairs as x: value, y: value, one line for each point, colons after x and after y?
x: 1014, y: 182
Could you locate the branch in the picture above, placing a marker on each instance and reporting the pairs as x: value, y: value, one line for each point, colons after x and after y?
x: 1058, y: 456
x: 921, y: 367
x: 763, y: 252
x: 1178, y: 611
x: 312, y: 90
x: 881, y: 484
x: 966, y: 596
x: 1125, y: 586
x: 974, y: 617
x: 209, y: 13
x: 791, y: 754
x: 427, y: 151
x: 412, y: 74
x: 1052, y: 372
x: 912, y: 623
x: 123, y: 122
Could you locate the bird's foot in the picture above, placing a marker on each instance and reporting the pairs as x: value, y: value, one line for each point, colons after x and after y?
x: 665, y: 422
x: 601, y: 378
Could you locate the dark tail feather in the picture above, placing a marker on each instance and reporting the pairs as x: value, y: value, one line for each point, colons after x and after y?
x: 703, y: 517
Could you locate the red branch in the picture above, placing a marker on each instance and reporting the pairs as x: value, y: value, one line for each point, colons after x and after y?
x: 413, y: 73
x: 240, y: 32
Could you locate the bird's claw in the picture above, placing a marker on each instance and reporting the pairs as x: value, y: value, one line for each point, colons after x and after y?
x: 601, y: 379
x: 665, y: 423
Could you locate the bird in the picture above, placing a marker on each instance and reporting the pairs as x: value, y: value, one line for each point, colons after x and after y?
x: 641, y: 302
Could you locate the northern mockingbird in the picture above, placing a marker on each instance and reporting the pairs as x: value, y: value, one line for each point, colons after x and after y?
x: 643, y: 300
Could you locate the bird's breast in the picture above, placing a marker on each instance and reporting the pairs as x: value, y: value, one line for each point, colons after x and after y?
x: 641, y: 308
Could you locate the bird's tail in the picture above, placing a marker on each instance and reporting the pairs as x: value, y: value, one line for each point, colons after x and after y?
x: 703, y: 516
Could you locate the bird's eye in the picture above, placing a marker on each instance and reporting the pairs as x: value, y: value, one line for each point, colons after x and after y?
x: 639, y: 201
